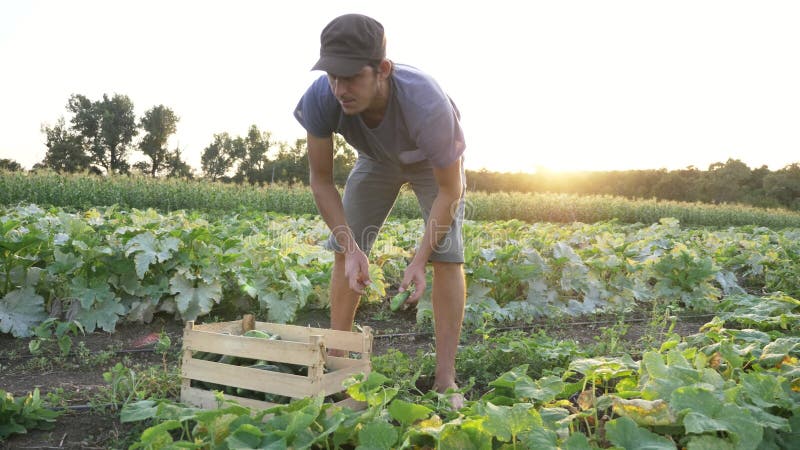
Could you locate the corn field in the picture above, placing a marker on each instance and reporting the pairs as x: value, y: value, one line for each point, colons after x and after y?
x: 84, y: 192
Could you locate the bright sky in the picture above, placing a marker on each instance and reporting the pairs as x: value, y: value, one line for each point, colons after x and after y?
x: 566, y: 85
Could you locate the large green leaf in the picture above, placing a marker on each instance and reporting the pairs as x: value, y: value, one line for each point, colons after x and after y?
x: 330, y: 422
x: 149, y: 250
x: 540, y: 438
x: 102, y: 315
x: 300, y: 285
x: 280, y: 308
x: 245, y: 436
x: 141, y: 410
x: 603, y: 367
x: 707, y: 442
x: 782, y: 348
x: 761, y: 311
x: 625, y: 433
x: 194, y: 301
x: 158, y: 436
x: 543, y: 390
x: 511, y: 379
x: 576, y: 441
x: 64, y: 263
x: 20, y: 311
x: 91, y: 292
x: 467, y: 435
x: 663, y: 379
x: 407, y: 413
x: 644, y: 412
x: 704, y: 412
x: 762, y: 390
x: 507, y: 422
x: 301, y: 414
x: 377, y: 435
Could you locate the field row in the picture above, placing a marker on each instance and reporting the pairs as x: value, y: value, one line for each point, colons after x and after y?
x: 84, y: 192
x: 733, y: 385
x: 105, y: 265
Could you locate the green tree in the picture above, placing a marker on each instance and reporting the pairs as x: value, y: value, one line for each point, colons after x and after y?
x: 158, y: 123
x: 293, y: 162
x: 65, y: 150
x: 251, y: 152
x: 217, y: 159
x: 727, y: 182
x: 678, y: 185
x: 10, y: 165
x: 784, y: 186
x: 176, y: 167
x: 106, y: 127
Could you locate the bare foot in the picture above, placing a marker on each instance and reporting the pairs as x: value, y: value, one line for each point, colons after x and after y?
x: 456, y: 399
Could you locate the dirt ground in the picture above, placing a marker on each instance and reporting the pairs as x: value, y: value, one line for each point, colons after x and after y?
x: 79, y: 383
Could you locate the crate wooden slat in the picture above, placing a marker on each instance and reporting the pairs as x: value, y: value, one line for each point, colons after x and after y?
x: 295, y: 386
x: 332, y: 381
x: 206, y: 399
x: 303, y: 346
x: 289, y: 352
x: 341, y: 340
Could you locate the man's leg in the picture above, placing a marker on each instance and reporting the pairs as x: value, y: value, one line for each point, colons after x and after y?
x: 344, y: 301
x: 369, y: 194
x: 449, y: 297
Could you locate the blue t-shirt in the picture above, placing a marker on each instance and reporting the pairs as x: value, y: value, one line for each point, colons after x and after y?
x: 421, y: 122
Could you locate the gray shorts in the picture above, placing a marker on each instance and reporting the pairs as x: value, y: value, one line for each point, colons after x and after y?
x: 370, y: 192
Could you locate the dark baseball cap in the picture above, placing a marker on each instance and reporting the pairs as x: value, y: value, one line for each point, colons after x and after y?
x: 350, y: 42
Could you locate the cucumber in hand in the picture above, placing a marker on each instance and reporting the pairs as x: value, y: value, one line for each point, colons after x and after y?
x: 398, y: 300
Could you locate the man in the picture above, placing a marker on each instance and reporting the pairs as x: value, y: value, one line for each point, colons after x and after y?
x: 406, y: 130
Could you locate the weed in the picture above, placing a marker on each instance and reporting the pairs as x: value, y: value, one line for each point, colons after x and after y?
x: 610, y: 341
x: 662, y: 323
x: 128, y: 384
x: 162, y: 347
x: 53, y: 337
x: 60, y: 397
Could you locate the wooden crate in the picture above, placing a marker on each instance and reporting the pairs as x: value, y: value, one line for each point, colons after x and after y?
x: 304, y: 346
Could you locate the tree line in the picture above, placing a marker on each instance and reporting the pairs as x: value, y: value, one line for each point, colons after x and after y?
x: 729, y: 182
x: 101, y: 136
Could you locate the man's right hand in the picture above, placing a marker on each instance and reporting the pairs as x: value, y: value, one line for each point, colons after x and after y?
x: 356, y: 269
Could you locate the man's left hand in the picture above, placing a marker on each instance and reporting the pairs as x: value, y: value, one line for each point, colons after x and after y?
x: 414, y: 274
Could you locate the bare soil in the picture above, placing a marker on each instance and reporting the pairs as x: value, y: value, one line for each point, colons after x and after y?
x: 79, y: 381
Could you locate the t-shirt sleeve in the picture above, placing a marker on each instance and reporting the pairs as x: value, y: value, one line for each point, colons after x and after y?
x: 318, y: 111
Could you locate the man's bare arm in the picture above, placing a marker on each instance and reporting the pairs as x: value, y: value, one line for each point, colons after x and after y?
x: 439, y: 221
x: 329, y: 204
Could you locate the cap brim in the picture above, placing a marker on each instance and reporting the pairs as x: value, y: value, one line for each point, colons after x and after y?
x: 340, y: 66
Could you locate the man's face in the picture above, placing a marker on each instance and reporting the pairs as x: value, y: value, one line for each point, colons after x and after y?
x: 355, y: 93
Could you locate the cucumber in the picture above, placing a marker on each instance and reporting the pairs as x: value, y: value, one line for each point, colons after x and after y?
x: 285, y: 368
x: 269, y: 367
x: 399, y: 300
x: 206, y: 356
x: 246, y: 393
x: 275, y: 398
x: 257, y: 334
x: 228, y: 359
